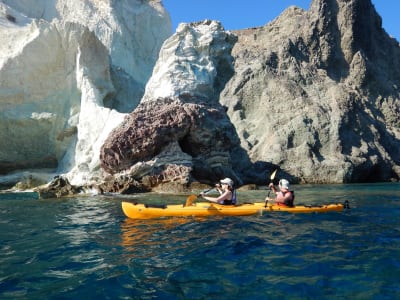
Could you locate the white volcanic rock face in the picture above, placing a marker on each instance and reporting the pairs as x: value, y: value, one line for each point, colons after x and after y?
x: 55, y: 78
x: 190, y: 62
x: 132, y: 31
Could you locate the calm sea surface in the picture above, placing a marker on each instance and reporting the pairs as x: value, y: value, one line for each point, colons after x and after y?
x: 85, y: 248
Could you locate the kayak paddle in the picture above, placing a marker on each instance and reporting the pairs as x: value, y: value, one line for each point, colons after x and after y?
x: 272, y: 177
x: 189, y: 200
x: 192, y: 198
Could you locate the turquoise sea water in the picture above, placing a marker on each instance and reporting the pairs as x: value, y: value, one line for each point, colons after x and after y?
x: 85, y: 248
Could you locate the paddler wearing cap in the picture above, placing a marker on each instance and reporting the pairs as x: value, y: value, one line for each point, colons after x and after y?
x: 285, y: 196
x: 227, y: 193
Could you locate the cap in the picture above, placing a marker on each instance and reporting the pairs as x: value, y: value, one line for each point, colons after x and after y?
x: 227, y: 181
x: 284, y: 184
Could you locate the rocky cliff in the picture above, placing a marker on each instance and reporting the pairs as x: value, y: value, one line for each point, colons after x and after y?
x: 314, y: 93
x: 317, y: 93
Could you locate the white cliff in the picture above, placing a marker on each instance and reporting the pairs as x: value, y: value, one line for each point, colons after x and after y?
x: 59, y: 61
x: 190, y: 61
x: 132, y: 31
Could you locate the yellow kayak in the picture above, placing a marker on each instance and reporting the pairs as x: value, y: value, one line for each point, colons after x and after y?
x: 204, y: 209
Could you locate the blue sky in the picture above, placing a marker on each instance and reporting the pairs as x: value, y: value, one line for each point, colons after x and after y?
x: 238, y: 14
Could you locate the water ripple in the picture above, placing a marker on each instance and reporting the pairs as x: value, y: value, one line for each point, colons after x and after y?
x: 85, y: 248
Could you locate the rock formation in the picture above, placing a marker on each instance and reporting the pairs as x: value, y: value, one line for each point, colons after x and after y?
x: 317, y: 93
x: 69, y: 71
x: 186, y: 134
x: 312, y: 93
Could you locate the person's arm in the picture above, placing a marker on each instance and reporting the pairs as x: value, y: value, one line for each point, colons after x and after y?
x: 219, y: 199
x: 273, y: 189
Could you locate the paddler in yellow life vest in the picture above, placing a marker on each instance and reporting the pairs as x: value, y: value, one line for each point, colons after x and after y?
x: 285, y: 196
x: 227, y: 193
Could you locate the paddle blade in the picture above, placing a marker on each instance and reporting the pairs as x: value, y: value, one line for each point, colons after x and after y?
x: 190, y: 200
x: 273, y: 175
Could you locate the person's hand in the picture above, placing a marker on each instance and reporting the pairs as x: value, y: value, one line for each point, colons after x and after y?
x: 218, y: 186
x: 271, y: 185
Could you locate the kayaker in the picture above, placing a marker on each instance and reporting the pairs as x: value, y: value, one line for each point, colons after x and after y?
x: 284, y: 196
x: 227, y: 193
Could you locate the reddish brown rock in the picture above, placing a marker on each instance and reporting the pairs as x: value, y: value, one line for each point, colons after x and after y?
x: 203, y: 133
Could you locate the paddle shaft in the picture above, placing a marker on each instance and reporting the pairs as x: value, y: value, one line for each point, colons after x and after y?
x: 205, y: 192
x: 272, y: 177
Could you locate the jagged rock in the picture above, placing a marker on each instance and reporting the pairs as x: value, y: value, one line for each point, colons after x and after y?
x: 169, y: 140
x: 58, y: 187
x: 121, y: 185
x: 312, y: 90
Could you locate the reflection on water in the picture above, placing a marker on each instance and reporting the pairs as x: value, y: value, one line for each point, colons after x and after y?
x: 139, y: 234
x: 84, y: 213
